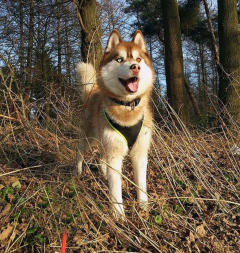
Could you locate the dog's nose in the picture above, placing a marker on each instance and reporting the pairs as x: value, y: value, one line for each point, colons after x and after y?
x: 135, y: 68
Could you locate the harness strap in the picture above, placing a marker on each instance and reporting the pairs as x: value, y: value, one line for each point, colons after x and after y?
x: 129, y: 134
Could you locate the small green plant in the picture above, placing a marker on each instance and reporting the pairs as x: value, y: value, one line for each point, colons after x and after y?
x: 71, y: 192
x: 100, y: 206
x: 227, y: 177
x: 16, y: 185
x: 194, y: 193
x: 44, y: 202
x: 179, y: 182
x: 68, y: 219
x: 5, y: 192
x: 158, y: 219
x: 178, y: 209
x: 185, y: 200
x: 34, y: 235
x: 130, y: 249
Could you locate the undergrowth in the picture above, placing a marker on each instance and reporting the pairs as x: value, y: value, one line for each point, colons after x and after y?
x: 193, y: 187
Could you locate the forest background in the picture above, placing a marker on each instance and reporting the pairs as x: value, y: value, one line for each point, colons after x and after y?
x: 194, y: 174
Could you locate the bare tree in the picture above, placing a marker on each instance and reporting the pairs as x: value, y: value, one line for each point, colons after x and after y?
x: 229, y: 41
x: 174, y: 59
x: 91, y: 47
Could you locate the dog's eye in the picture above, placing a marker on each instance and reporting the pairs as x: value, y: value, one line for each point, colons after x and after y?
x: 119, y: 59
x: 138, y: 59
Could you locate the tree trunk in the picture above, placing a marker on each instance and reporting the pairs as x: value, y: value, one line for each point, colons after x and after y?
x: 229, y: 53
x: 174, y: 59
x: 59, y: 44
x: 21, y: 48
x: 214, y: 41
x: 68, y: 55
x: 30, y: 43
x: 192, y: 98
x: 29, y: 57
x: 21, y: 58
x: 204, y: 86
x: 91, y: 47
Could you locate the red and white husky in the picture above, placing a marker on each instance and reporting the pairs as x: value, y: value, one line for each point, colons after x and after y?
x: 119, y: 116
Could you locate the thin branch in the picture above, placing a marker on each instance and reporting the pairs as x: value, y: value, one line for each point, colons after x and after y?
x: 79, y: 16
x: 214, y: 41
x: 10, y: 118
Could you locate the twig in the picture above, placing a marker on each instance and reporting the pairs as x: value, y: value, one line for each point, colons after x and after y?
x: 10, y: 118
x: 15, y: 171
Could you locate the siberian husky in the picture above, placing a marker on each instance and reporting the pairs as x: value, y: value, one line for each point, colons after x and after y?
x: 118, y: 113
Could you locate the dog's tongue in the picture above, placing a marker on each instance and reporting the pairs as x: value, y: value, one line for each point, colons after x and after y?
x: 132, y: 85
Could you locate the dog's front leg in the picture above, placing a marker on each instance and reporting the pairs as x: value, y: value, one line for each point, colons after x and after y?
x: 139, y: 157
x: 115, y: 184
x: 140, y: 177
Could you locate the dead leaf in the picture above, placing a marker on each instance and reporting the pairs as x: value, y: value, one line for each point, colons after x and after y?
x: 11, y: 197
x: 6, y: 210
x: 12, y: 237
x: 191, y: 200
x: 200, y: 230
x: 22, y: 226
x: 218, y: 246
x: 191, y: 237
x: 6, y: 232
x: 198, y: 246
x: 78, y: 239
x: 11, y: 180
x: 217, y: 195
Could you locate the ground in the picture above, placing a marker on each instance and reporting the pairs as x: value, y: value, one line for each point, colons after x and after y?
x: 193, y: 186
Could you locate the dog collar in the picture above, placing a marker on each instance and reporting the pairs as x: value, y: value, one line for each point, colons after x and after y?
x: 132, y: 104
x: 129, y: 134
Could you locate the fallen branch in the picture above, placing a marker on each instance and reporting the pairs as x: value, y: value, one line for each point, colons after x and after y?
x: 10, y: 118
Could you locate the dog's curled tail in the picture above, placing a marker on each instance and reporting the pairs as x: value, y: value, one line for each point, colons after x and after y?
x: 86, y: 76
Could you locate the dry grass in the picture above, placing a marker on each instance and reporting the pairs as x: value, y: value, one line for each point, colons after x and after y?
x: 193, y: 187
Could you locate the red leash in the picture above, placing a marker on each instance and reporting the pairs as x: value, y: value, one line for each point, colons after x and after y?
x: 64, y: 242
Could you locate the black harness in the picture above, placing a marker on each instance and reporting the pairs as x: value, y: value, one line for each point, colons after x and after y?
x: 131, y: 133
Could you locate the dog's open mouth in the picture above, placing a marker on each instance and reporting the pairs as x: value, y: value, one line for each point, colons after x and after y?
x: 130, y: 84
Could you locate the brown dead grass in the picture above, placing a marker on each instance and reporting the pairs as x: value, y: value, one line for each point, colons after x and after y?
x: 193, y: 187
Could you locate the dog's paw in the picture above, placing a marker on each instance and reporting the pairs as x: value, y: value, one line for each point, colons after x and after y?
x: 118, y: 211
x: 143, y: 204
x: 143, y: 201
x: 144, y: 209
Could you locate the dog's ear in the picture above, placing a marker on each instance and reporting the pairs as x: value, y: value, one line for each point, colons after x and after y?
x: 113, y: 41
x: 139, y: 40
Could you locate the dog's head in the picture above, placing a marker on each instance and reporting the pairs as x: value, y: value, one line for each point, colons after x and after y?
x: 126, y: 69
